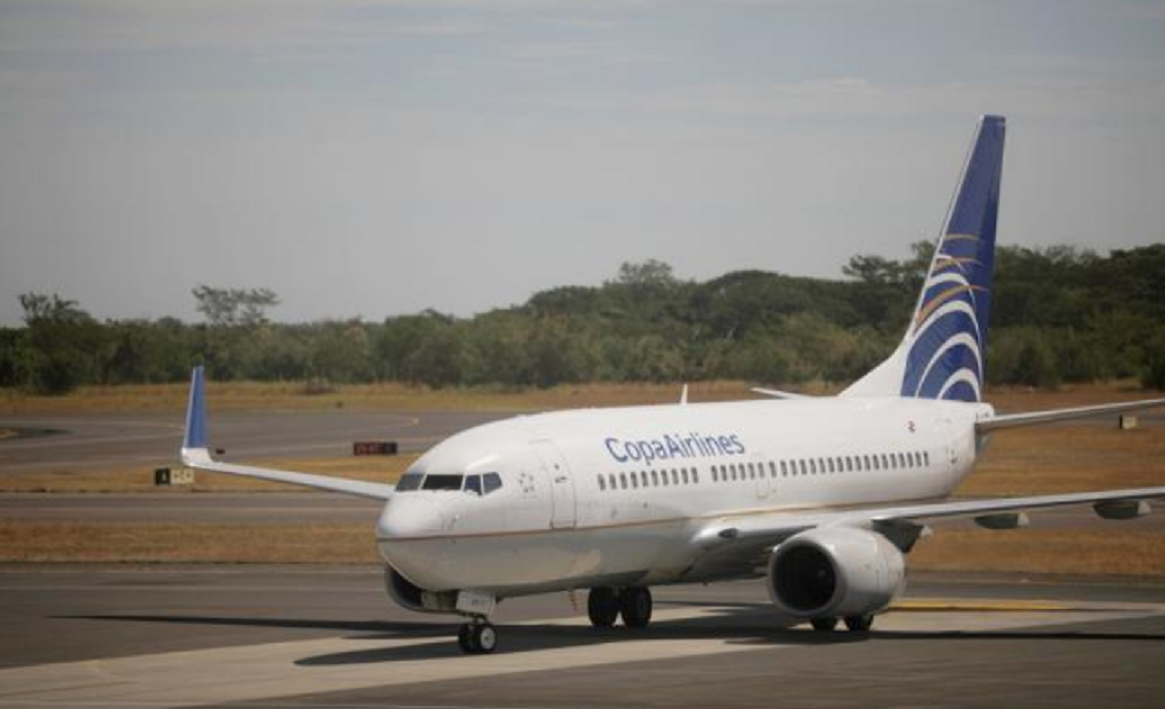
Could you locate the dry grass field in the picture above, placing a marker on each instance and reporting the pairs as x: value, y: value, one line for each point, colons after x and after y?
x: 1034, y: 460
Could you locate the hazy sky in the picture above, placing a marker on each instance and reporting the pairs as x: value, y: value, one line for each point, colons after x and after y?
x: 374, y: 158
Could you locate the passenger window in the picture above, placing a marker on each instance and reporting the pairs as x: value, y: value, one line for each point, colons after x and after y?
x: 830, y: 462
x: 491, y: 482
x: 804, y: 467
x: 696, y: 475
x: 623, y: 480
x: 772, y: 469
x: 473, y: 484
x: 643, y: 478
x: 812, y: 466
x: 926, y: 457
x: 784, y: 469
x: 675, y: 478
x: 602, y: 483
x: 634, y: 481
x: 684, y: 476
x: 714, y: 474
x: 663, y: 478
x: 442, y: 482
x: 655, y: 477
x: 611, y: 482
x: 409, y: 482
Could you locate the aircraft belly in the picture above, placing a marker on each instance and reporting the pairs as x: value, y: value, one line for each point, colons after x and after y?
x: 512, y: 564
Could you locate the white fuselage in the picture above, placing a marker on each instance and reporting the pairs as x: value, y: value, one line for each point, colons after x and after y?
x: 617, y: 496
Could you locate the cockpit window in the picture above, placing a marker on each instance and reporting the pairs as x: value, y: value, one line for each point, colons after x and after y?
x: 409, y: 482
x: 442, y: 482
x: 492, y: 482
x: 473, y: 484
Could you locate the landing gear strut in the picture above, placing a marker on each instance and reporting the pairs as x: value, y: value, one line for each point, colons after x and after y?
x: 605, y: 605
x: 478, y: 637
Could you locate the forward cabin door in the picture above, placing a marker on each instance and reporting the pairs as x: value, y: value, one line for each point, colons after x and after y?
x: 562, y: 515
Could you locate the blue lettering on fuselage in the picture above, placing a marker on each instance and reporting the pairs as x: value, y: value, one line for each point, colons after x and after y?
x: 673, y: 447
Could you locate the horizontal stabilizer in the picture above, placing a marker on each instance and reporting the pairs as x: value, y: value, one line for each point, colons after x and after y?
x: 778, y: 394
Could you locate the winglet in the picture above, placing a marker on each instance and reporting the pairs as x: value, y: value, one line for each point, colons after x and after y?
x: 684, y: 394
x: 195, y: 414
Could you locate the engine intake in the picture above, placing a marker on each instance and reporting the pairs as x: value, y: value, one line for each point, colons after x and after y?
x: 835, y: 573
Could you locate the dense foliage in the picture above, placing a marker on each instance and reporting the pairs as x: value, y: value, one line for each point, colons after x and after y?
x: 1059, y: 314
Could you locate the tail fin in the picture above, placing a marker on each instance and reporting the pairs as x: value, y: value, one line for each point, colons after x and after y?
x: 942, y: 355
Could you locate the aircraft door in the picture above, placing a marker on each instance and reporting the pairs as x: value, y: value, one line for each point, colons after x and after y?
x: 762, y: 481
x: 561, y: 484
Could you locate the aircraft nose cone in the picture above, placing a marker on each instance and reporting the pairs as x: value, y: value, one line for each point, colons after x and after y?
x: 405, y: 533
x: 409, y: 518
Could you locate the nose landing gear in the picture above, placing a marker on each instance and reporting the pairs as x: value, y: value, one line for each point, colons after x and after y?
x: 478, y: 637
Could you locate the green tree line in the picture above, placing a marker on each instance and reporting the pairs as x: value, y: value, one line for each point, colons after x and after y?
x: 1058, y: 314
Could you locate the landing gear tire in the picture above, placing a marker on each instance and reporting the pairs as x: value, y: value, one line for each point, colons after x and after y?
x: 477, y: 638
x: 859, y: 623
x: 823, y: 625
x: 485, y: 638
x: 603, y: 607
x: 465, y: 638
x: 635, y: 606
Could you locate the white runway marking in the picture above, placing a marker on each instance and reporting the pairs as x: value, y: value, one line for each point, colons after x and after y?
x: 268, y: 671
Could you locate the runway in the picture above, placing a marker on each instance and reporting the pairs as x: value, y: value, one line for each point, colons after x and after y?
x: 76, y: 442
x: 86, y: 441
x: 184, y: 507
x: 323, y: 636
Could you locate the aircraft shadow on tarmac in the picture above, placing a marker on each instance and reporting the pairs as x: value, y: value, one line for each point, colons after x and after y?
x: 743, y: 625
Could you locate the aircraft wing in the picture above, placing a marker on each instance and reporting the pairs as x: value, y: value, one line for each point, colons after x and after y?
x: 195, y: 454
x: 1038, y: 417
x: 777, y: 526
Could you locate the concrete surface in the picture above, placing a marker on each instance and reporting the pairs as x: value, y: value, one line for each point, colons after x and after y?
x: 104, y: 440
x: 320, y: 636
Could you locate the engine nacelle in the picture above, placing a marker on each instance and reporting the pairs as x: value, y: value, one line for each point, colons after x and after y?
x: 409, y: 596
x: 835, y: 572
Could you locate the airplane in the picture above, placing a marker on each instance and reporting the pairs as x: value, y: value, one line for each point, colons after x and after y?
x: 821, y: 497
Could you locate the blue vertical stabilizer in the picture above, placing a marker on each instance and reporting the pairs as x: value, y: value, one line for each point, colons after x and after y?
x: 943, y: 353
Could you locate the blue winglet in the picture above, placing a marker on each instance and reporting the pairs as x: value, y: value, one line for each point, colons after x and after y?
x: 195, y: 413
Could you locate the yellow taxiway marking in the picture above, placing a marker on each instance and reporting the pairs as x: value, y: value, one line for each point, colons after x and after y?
x: 992, y: 605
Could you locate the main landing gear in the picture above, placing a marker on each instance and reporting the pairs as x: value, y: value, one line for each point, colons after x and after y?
x: 605, y: 605
x: 854, y: 623
x: 478, y: 637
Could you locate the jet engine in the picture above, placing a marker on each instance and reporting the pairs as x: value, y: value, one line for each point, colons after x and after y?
x: 407, y: 595
x: 835, y: 572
